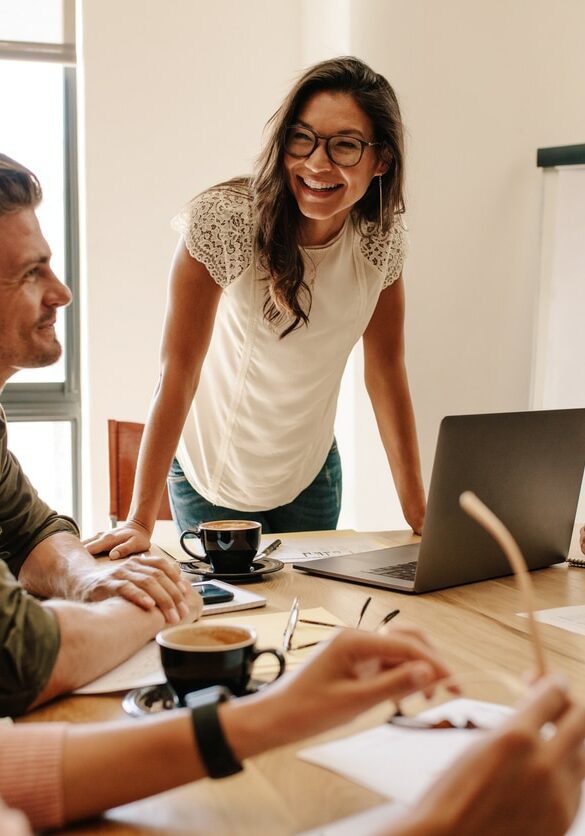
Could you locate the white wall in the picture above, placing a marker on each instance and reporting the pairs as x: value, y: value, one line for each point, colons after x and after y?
x: 176, y: 93
x: 482, y: 85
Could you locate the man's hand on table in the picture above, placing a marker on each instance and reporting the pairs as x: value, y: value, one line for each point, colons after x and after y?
x: 148, y: 582
x: 127, y: 539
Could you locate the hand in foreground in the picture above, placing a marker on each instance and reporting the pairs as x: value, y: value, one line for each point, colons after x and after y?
x: 515, y: 780
x: 147, y: 581
x: 582, y: 533
x: 130, y: 538
x: 350, y: 674
x: 13, y: 822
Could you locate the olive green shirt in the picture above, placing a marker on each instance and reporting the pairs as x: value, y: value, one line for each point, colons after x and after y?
x: 29, y: 632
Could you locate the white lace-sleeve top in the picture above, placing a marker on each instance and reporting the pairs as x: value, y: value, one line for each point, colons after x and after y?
x: 261, y: 423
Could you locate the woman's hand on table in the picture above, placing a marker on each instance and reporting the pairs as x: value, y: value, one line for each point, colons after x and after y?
x: 127, y: 539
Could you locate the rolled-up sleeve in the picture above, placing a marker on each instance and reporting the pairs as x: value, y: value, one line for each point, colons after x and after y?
x: 29, y: 641
x: 25, y: 520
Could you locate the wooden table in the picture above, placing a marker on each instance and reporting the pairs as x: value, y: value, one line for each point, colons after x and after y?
x: 474, y: 626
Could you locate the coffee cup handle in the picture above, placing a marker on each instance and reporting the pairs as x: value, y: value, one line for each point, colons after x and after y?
x: 279, y: 657
x: 188, y: 533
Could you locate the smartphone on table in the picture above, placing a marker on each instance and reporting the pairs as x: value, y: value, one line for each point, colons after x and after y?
x: 213, y: 594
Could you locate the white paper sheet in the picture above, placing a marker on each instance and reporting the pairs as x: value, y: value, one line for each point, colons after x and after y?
x: 142, y: 669
x: 402, y: 763
x: 295, y: 549
x: 567, y: 618
x: 370, y: 822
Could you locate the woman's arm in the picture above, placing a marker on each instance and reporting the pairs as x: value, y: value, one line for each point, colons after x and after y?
x: 514, y: 780
x: 107, y: 764
x: 190, y: 316
x: 387, y: 385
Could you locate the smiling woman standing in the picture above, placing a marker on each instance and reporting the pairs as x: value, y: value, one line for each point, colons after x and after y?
x: 275, y: 279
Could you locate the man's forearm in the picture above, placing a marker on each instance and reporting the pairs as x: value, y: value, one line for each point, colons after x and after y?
x: 58, y: 567
x: 95, y: 638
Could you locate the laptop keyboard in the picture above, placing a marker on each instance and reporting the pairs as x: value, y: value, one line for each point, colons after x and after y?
x: 404, y: 571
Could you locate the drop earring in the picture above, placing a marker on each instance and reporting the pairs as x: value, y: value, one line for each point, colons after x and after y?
x: 380, y: 190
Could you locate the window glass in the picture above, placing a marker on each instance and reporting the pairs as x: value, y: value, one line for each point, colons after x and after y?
x: 33, y: 134
x: 31, y: 20
x: 43, y: 448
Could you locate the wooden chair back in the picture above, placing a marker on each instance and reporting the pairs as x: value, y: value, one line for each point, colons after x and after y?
x: 123, y: 445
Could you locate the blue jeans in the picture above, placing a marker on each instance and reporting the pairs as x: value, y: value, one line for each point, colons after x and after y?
x: 316, y: 508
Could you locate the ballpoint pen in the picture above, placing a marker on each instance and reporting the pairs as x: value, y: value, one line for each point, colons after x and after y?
x: 269, y: 549
x: 363, y: 609
x: 290, y: 625
x: 388, y: 618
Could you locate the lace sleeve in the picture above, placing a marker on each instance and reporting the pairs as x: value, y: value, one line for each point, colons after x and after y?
x: 217, y: 229
x: 387, y: 252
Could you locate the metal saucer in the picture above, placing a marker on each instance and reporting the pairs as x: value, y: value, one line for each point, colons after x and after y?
x: 263, y: 566
x: 150, y: 699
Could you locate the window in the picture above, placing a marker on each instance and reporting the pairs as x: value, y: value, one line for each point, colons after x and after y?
x: 37, y: 79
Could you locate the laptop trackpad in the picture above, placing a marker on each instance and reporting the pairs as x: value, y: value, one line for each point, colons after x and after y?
x: 394, y: 555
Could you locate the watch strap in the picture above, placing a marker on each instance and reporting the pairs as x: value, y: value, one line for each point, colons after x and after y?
x: 214, y: 750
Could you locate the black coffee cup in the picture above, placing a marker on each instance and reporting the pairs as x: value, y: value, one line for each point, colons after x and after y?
x: 230, y: 546
x: 196, y: 656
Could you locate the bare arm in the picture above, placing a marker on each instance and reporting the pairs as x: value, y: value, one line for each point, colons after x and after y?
x: 133, y: 760
x: 191, y: 308
x: 387, y: 385
x: 60, y: 566
x: 582, y: 534
x: 97, y: 637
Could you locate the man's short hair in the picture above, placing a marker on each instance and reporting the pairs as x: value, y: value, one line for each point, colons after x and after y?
x: 19, y: 187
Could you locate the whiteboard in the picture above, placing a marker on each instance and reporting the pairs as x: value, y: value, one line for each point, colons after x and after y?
x: 558, y: 372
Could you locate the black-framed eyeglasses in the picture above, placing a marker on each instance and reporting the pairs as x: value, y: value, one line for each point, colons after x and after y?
x: 295, y: 618
x: 342, y: 149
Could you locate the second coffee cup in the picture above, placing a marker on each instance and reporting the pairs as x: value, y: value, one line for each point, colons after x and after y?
x: 230, y: 546
x: 197, y: 656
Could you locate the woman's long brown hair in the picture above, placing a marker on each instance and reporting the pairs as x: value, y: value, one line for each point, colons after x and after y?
x: 276, y: 213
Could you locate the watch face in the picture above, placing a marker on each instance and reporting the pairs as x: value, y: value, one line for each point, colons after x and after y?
x: 216, y: 694
x: 150, y: 699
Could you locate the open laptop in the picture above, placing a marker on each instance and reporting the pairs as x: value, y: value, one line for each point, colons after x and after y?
x: 526, y: 466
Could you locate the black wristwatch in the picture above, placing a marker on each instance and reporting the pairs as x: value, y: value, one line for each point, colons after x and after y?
x: 214, y: 750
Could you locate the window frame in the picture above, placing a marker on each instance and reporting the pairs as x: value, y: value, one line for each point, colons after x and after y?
x: 58, y: 401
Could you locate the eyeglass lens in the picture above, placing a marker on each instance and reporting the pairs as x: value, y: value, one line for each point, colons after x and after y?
x: 342, y: 150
